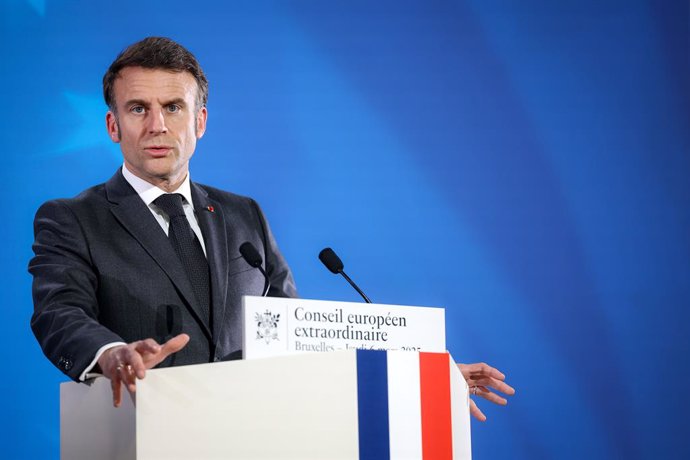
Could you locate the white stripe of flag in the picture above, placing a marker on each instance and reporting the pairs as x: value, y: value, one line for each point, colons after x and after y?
x: 404, y: 406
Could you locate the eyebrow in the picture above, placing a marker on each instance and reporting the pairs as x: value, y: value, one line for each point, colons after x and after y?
x: 132, y: 102
x: 178, y: 100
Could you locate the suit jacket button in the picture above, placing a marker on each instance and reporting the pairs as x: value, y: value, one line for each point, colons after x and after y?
x: 216, y: 359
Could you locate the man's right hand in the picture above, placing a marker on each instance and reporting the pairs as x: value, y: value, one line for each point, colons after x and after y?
x: 126, y: 363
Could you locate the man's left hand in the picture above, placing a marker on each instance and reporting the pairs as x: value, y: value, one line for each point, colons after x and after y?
x: 481, y: 378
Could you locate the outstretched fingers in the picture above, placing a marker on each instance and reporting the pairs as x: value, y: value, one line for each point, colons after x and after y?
x: 489, y: 395
x: 476, y: 412
x: 173, y: 345
x: 494, y: 384
x: 481, y: 380
x: 127, y: 363
x: 116, y: 386
x: 483, y: 375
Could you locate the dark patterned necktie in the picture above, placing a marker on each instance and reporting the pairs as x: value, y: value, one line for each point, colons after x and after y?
x: 188, y: 249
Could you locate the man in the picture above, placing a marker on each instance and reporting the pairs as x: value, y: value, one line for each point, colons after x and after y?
x: 108, y: 284
x: 149, y: 257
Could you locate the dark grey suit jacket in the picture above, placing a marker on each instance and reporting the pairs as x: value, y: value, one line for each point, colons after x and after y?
x: 104, y: 271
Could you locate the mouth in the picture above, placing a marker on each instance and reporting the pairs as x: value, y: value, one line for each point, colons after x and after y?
x: 158, y: 151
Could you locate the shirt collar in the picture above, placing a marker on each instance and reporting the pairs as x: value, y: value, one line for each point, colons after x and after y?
x: 149, y: 192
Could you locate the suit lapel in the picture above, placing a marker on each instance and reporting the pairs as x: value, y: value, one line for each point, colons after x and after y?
x: 213, y: 226
x: 136, y: 218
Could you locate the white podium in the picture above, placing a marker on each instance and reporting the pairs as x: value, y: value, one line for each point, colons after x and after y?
x: 340, y: 405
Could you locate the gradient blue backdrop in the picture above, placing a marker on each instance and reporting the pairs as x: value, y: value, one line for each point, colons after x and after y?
x: 524, y: 164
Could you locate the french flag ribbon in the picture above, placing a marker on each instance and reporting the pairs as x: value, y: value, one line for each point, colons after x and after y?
x: 405, y: 403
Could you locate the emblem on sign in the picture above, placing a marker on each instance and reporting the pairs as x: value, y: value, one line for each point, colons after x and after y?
x: 267, y: 326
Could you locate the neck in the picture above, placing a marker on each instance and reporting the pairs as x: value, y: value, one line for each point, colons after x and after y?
x: 166, y: 183
x: 170, y: 184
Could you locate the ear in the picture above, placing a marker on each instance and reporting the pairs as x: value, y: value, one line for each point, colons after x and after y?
x: 201, y: 116
x: 112, y: 126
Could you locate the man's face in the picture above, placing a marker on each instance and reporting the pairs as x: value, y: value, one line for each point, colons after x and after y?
x: 157, y: 123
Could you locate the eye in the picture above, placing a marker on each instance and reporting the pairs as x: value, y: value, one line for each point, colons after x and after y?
x: 172, y: 108
x: 137, y: 109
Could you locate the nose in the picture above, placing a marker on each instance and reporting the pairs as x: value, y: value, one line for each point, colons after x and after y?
x: 156, y: 122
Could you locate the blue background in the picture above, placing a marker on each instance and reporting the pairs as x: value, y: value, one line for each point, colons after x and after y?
x: 524, y: 164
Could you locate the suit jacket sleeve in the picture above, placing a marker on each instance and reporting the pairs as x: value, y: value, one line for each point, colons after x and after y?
x: 65, y: 291
x: 282, y: 281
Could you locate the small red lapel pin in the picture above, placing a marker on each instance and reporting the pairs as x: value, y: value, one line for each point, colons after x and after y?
x: 210, y: 208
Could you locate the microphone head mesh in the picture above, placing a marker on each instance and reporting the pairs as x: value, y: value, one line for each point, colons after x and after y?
x: 331, y: 260
x: 250, y: 254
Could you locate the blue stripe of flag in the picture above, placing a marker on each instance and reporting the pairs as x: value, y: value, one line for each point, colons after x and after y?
x: 372, y: 388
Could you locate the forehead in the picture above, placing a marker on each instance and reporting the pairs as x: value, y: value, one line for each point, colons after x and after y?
x: 153, y: 84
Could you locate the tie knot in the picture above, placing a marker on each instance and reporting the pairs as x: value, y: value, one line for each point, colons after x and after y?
x: 171, y: 204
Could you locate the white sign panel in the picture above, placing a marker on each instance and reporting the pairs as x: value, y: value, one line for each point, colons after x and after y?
x: 276, y: 326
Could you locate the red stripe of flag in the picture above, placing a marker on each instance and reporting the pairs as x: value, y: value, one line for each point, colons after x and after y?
x: 437, y: 434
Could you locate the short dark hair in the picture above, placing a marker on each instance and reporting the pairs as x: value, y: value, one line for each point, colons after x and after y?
x: 156, y: 53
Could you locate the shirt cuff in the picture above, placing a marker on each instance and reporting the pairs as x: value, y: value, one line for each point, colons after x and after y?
x: 87, y: 374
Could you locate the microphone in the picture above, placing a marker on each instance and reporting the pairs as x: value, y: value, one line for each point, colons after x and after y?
x: 332, y: 262
x: 253, y: 258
